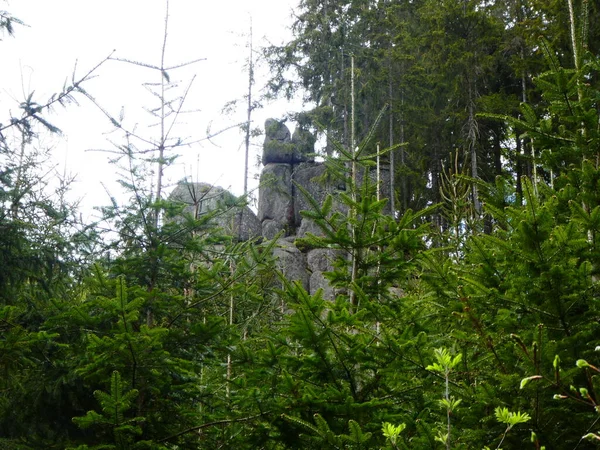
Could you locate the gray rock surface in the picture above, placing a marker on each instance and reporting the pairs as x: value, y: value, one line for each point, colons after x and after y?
x: 308, y: 175
x: 276, y: 130
x: 319, y: 261
x: 271, y: 228
x: 275, y: 201
x: 308, y: 226
x: 251, y: 226
x: 288, y: 165
x: 318, y: 281
x: 322, y: 259
x: 291, y: 262
x: 277, y: 147
x: 202, y: 198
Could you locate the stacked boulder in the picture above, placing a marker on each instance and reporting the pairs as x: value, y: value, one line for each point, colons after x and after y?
x: 283, y: 158
x: 289, y: 174
x: 288, y: 162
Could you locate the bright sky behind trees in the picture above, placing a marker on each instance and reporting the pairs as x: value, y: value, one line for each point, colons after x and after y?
x: 61, y: 34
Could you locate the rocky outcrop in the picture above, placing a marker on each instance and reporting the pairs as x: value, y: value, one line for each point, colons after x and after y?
x: 279, y: 147
x: 275, y: 199
x: 203, y: 198
x: 291, y: 262
x: 318, y: 262
x: 289, y: 174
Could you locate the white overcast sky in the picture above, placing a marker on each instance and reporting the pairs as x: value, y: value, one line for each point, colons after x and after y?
x: 60, y: 33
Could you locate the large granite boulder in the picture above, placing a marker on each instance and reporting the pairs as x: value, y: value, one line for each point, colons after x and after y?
x: 319, y: 261
x: 276, y: 130
x: 289, y: 176
x: 291, y: 262
x: 310, y: 177
x: 275, y: 201
x: 279, y: 147
x: 203, y: 198
x: 308, y: 226
x: 271, y: 229
x: 322, y: 259
x: 318, y: 281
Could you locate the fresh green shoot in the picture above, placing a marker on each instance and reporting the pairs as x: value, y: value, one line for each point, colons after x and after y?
x: 510, y: 419
x: 392, y: 432
x: 444, y: 365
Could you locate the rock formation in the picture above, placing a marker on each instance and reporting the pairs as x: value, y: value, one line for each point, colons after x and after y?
x: 288, y: 163
x: 202, y: 198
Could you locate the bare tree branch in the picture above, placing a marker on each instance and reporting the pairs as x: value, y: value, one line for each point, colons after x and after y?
x: 31, y: 109
x: 152, y: 66
x: 213, y: 424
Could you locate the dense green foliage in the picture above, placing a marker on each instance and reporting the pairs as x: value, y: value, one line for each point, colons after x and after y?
x: 467, y: 318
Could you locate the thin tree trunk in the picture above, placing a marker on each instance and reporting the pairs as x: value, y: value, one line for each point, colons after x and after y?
x: 404, y: 186
x: 519, y: 166
x: 378, y: 324
x: 249, y: 110
x: 576, y: 61
x: 532, y: 167
x: 247, y: 137
x: 19, y: 182
x: 574, y: 38
x: 353, y: 187
x: 391, y: 125
x: 472, y: 140
x: 161, y: 158
x: 345, y: 136
x: 162, y: 143
x: 230, y: 323
x: 329, y: 79
x: 391, y: 138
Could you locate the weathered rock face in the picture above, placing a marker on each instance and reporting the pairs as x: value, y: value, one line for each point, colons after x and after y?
x: 318, y: 281
x: 250, y: 226
x: 291, y: 262
x: 202, y: 198
x: 308, y: 226
x: 275, y: 201
x: 271, y: 229
x: 280, y: 148
x: 288, y: 170
x: 309, y: 176
x: 276, y: 130
x: 319, y: 261
x: 322, y: 259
